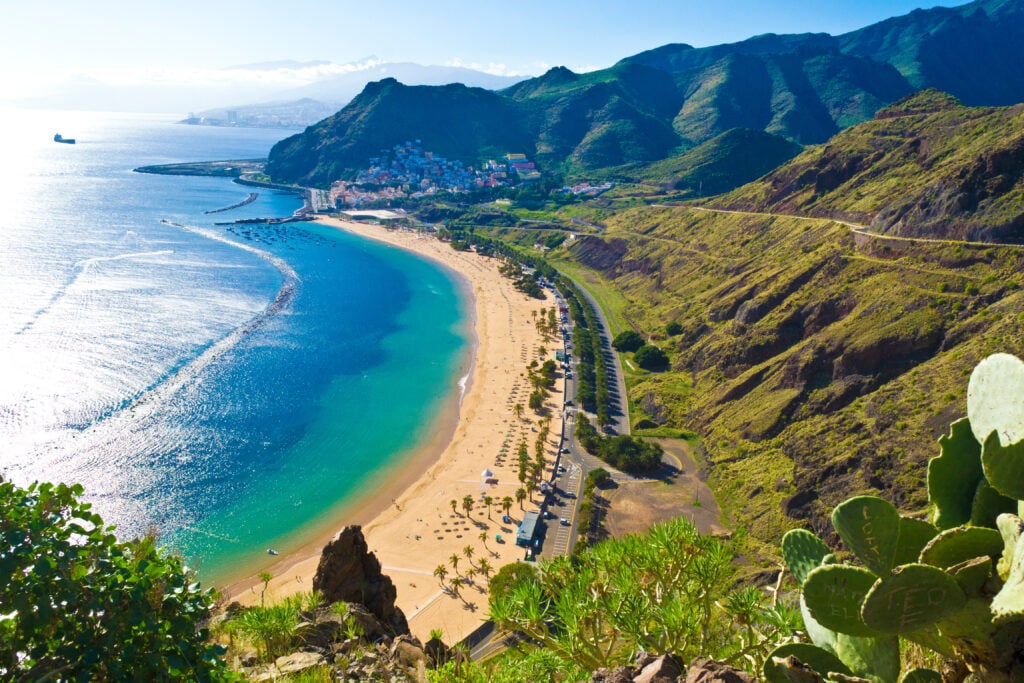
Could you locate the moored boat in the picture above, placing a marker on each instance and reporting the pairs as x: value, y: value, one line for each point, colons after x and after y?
x: 60, y: 138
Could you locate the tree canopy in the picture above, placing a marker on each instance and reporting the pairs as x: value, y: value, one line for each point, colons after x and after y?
x: 627, y: 341
x: 651, y: 358
x: 77, y: 604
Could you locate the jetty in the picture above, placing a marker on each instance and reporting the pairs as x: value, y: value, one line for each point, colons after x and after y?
x: 253, y: 196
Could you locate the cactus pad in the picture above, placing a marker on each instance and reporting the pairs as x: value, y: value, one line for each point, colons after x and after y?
x: 819, y: 659
x: 1008, y: 604
x: 953, y: 475
x: 874, y: 658
x: 989, y: 504
x: 870, y: 527
x: 914, y: 536
x: 1004, y: 466
x: 995, y: 399
x: 913, y: 597
x: 1010, y: 528
x: 834, y: 594
x: 963, y: 543
x: 972, y: 574
x: 802, y: 551
x: 921, y: 676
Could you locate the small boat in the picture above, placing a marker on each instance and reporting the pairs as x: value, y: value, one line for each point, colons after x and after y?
x: 271, y: 551
x: 60, y: 138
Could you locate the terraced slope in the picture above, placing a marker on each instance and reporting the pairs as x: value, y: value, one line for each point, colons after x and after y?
x: 815, y: 362
x: 926, y: 166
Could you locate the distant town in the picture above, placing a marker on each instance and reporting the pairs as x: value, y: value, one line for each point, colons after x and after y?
x: 407, y: 171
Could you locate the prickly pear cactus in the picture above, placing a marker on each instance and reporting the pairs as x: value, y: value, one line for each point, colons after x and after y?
x: 955, y: 585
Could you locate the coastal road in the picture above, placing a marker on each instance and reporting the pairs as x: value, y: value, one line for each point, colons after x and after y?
x: 618, y: 403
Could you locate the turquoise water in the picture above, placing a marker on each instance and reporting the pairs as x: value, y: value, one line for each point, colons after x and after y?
x: 222, y: 385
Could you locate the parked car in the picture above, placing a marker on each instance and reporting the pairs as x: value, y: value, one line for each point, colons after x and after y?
x: 563, y: 521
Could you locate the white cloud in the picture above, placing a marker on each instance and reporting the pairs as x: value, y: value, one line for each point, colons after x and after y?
x: 22, y: 82
x: 494, y: 68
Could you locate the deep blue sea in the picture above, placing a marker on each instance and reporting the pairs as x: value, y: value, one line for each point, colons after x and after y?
x: 224, y: 386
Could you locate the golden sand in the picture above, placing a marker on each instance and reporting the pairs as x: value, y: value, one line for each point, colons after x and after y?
x: 408, y: 519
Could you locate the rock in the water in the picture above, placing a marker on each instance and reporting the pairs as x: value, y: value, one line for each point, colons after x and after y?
x: 348, y: 571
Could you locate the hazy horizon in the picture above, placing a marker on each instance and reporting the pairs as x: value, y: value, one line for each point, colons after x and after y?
x: 120, y: 56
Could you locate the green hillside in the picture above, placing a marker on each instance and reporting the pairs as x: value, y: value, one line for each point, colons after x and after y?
x: 734, y: 158
x: 971, y: 51
x: 924, y: 167
x: 816, y: 364
x: 656, y: 104
x: 816, y: 360
x: 452, y: 120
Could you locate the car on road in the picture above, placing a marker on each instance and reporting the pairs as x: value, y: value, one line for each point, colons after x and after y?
x: 569, y: 402
x: 563, y: 521
x: 564, y: 450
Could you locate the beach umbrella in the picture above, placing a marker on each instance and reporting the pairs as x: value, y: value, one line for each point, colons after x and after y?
x: 486, y: 474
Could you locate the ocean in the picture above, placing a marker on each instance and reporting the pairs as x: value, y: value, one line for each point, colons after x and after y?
x: 224, y: 387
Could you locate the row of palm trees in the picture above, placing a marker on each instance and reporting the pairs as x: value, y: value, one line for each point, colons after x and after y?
x: 482, y: 567
x: 468, y: 503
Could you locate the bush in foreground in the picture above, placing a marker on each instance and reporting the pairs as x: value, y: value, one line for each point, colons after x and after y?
x: 666, y: 591
x: 76, y: 604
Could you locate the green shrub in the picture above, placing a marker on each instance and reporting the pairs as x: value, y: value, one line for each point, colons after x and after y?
x: 665, y: 591
x: 651, y: 357
x: 77, y: 604
x: 627, y: 341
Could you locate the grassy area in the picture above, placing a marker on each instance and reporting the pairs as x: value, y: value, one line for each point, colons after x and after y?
x: 612, y: 302
x: 807, y: 361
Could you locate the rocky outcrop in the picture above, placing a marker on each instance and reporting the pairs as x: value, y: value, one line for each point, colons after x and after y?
x: 349, y: 572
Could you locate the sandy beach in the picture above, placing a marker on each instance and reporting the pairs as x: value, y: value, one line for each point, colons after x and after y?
x: 408, y: 518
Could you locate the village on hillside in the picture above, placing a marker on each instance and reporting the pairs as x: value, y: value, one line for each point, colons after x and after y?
x: 408, y: 171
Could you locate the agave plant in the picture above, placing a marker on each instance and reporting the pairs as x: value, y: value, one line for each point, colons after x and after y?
x: 954, y: 584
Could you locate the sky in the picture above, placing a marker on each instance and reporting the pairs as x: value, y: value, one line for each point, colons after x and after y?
x: 182, y: 43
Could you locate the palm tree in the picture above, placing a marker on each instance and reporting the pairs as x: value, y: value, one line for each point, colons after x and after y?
x: 265, y: 577
x: 440, y: 572
x: 506, y: 504
x: 467, y: 504
x: 468, y: 552
x: 484, y: 567
x: 454, y: 503
x: 455, y: 583
x: 483, y: 537
x: 531, y: 486
x: 454, y: 559
x: 517, y: 410
x: 488, y: 501
x: 520, y: 497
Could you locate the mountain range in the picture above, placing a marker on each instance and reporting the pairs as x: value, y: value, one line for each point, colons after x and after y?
x: 818, y: 360
x: 306, y: 104
x: 663, y: 102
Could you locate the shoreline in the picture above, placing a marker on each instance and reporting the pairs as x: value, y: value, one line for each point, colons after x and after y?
x: 405, y: 513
